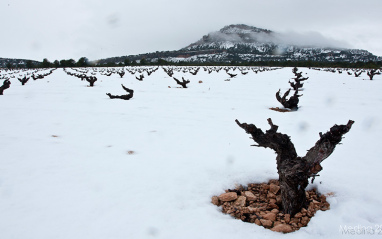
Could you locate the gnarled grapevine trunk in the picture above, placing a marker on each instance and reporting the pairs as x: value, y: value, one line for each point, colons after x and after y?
x: 294, y: 171
x: 372, y: 73
x: 6, y: 85
x: 91, y: 80
x: 123, y: 97
x: 182, y: 83
x: 292, y: 102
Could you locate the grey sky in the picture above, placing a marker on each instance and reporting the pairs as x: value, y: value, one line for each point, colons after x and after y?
x: 64, y: 29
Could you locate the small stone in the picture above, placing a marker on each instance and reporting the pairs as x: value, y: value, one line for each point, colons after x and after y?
x: 275, y: 211
x: 272, y: 201
x: 271, y: 195
x: 298, y: 215
x: 276, y: 223
x: 284, y: 228
x: 273, y: 188
x: 325, y: 207
x: 273, y: 206
x: 251, y: 209
x: 274, y: 181
x: 287, y: 218
x: 305, y: 221
x: 227, y: 197
x: 250, y: 196
x: 215, y: 200
x: 266, y: 223
x: 257, y: 222
x: 270, y: 216
x: 323, y: 198
x: 295, y: 220
x: 245, y: 210
x: 254, y: 210
x: 240, y: 201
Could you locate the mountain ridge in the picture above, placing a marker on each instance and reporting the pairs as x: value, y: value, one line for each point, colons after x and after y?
x: 243, y: 43
x: 11, y: 62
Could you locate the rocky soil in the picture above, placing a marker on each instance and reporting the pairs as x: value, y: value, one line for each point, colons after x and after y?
x: 261, y: 204
x: 280, y: 110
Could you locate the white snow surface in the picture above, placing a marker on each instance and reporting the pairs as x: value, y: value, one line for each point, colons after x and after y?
x: 66, y: 170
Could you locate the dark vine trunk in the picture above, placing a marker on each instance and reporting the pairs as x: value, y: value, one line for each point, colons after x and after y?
x: 123, y: 97
x: 23, y: 80
x: 372, y: 73
x: 292, y: 102
x: 294, y: 171
x: 183, y: 83
x: 6, y: 85
x: 91, y: 80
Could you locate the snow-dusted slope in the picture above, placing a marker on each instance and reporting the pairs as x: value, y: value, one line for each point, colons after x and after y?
x: 75, y: 164
x: 246, y: 43
x: 261, y: 44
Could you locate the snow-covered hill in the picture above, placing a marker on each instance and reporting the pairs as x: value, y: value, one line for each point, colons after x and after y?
x: 254, y: 44
x: 246, y: 43
x: 15, y: 63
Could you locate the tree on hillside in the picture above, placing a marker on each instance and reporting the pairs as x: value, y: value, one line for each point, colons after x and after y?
x: 29, y: 64
x: 162, y: 62
x: 68, y: 63
x: 56, y: 64
x: 127, y: 62
x: 45, y: 63
x: 82, y: 62
x: 143, y: 62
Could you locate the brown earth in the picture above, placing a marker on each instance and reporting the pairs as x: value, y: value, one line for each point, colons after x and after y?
x: 280, y: 110
x: 261, y: 204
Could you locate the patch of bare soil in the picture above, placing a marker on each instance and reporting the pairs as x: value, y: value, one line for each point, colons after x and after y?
x: 261, y: 204
x: 280, y: 110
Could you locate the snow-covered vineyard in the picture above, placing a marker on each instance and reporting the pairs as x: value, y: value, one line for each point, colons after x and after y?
x: 76, y: 164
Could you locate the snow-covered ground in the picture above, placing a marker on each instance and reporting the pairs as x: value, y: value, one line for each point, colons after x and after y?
x: 76, y: 164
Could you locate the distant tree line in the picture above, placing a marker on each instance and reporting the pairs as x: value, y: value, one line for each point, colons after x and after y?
x: 84, y: 62
x: 360, y: 64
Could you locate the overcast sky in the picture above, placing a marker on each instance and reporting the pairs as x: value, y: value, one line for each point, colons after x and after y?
x: 64, y: 29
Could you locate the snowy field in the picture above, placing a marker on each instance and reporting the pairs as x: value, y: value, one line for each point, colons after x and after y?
x: 77, y: 165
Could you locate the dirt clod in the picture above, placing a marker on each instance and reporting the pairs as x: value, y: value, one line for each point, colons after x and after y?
x: 280, y: 110
x: 261, y: 204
